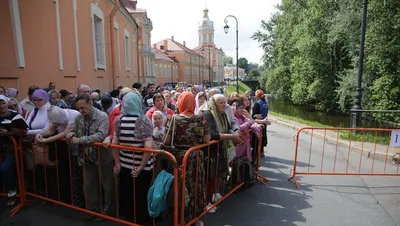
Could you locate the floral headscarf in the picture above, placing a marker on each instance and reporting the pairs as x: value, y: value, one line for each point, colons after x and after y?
x: 57, y: 115
x: 186, y: 103
x: 132, y: 105
x: 220, y: 118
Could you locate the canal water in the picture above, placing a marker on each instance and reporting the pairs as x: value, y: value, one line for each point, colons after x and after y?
x: 306, y: 113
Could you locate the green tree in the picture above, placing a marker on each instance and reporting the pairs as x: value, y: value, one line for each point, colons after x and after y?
x: 254, y: 73
x: 244, y: 64
x: 228, y: 60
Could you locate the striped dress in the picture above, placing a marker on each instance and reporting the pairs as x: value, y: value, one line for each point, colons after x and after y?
x: 125, y: 132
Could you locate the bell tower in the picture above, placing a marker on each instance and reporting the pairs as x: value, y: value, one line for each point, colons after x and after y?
x: 206, y: 30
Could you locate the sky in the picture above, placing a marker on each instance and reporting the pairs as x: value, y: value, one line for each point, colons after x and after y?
x: 181, y: 18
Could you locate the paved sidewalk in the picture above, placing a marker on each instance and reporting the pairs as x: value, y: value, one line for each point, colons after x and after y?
x: 369, y: 150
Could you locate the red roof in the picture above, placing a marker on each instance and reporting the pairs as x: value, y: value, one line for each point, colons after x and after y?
x: 160, y: 55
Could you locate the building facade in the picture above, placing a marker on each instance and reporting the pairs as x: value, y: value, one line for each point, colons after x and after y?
x: 147, y: 56
x: 208, y: 49
x: 67, y: 42
x: 230, y: 73
x: 166, y: 67
x: 192, y: 67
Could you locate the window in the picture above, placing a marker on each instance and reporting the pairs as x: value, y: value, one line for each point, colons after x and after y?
x: 127, y: 51
x: 165, y: 71
x: 98, y: 37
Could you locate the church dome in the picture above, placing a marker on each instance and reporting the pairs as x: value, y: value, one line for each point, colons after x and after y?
x: 206, y: 20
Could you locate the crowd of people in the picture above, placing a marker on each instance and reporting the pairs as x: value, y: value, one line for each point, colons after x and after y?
x: 145, y: 117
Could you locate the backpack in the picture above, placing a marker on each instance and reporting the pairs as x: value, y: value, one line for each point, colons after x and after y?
x: 157, y: 195
x: 242, y: 171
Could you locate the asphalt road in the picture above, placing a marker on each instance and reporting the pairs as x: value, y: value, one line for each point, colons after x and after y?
x: 322, y: 200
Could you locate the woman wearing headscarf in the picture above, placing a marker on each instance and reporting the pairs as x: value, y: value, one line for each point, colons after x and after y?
x: 189, y: 130
x: 220, y: 129
x: 16, y: 126
x: 12, y: 93
x: 201, y: 99
x: 240, y: 112
x: 133, y: 129
x: 14, y: 105
x: 37, y: 119
x: 260, y: 112
x: 61, y: 121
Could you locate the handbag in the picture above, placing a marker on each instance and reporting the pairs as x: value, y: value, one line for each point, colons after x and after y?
x: 231, y: 151
x: 171, y: 147
x: 41, y: 155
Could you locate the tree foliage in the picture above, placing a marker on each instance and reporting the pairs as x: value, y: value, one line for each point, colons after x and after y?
x: 311, y: 53
x: 228, y: 60
x: 244, y: 64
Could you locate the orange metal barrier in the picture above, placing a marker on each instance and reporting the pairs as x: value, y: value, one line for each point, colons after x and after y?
x: 19, y: 180
x: 342, y: 151
x: 197, y: 152
x: 58, y: 182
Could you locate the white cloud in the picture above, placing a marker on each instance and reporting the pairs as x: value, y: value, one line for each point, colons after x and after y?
x: 181, y: 18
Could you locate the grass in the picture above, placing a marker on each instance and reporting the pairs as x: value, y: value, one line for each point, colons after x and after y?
x: 242, y: 88
x: 380, y: 138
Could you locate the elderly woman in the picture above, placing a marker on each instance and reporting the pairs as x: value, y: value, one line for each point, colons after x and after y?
x: 55, y: 99
x: 220, y: 129
x: 15, y: 126
x: 37, y: 119
x: 135, y: 130
x: 189, y: 130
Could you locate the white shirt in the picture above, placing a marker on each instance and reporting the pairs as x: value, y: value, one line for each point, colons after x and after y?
x: 40, y: 122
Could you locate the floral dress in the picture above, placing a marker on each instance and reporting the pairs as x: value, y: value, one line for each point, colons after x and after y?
x: 189, y: 132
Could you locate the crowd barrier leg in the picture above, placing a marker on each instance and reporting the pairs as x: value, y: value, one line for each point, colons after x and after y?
x: 20, y: 181
x: 260, y: 178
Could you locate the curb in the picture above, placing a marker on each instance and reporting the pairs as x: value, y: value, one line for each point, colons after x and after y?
x: 382, y: 156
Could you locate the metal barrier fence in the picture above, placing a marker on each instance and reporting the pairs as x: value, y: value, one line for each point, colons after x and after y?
x: 213, y: 180
x: 19, y: 177
x: 322, y: 151
x: 56, y: 182
x: 53, y: 176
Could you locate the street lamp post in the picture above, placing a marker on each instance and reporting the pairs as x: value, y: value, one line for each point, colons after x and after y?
x: 226, y: 29
x: 356, y: 113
